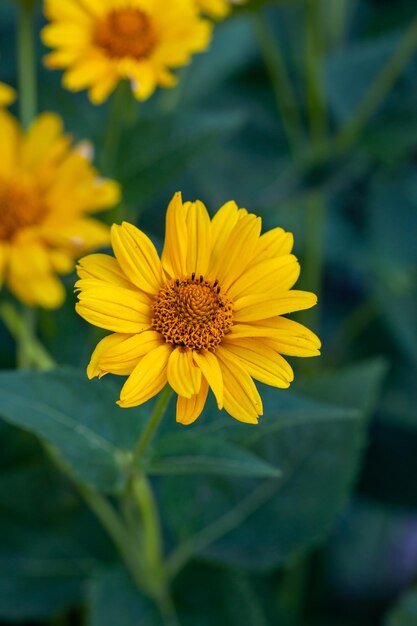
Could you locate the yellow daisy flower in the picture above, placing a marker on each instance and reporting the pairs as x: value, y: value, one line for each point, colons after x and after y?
x: 7, y: 95
x: 217, y: 9
x: 100, y: 42
x: 47, y: 192
x: 207, y: 314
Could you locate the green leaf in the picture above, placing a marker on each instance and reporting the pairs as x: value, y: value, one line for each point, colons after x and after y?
x: 49, y: 543
x: 350, y: 72
x: 113, y: 599
x: 259, y: 525
x: 159, y: 149
x: 193, y: 454
x: 78, y: 418
x: 405, y: 613
x: 393, y: 256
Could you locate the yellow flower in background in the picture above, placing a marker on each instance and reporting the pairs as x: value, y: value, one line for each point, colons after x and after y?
x: 7, y: 95
x: 217, y: 9
x: 47, y: 192
x: 207, y: 314
x: 100, y: 42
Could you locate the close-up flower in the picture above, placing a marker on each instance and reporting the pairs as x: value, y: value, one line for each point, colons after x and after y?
x: 7, y: 95
x: 48, y: 191
x: 101, y: 42
x: 209, y: 313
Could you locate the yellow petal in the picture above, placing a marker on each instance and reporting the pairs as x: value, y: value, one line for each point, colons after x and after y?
x: 7, y: 95
x: 80, y: 235
x: 44, y: 137
x: 103, y: 267
x: 189, y: 409
x: 261, y: 361
x: 174, y: 255
x: 31, y: 277
x: 94, y: 367
x: 114, y: 308
x: 199, y: 238
x: 239, y: 249
x: 100, y: 91
x: 10, y: 137
x: 129, y: 351
x: 262, y: 306
x: 137, y: 257
x: 147, y: 379
x: 274, y: 243
x: 269, y: 277
x: 66, y: 10
x: 85, y: 72
x: 284, y: 335
x: 222, y: 225
x: 289, y: 337
x: 241, y: 398
x: 183, y: 376
x: 211, y: 370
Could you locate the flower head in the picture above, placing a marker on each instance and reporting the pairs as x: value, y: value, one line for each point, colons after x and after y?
x: 47, y: 192
x: 100, y: 42
x: 207, y: 314
x: 7, y: 95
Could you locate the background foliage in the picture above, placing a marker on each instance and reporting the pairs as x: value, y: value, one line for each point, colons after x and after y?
x: 311, y: 518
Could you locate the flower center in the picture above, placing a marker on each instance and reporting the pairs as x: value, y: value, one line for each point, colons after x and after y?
x: 21, y: 206
x: 126, y: 33
x: 192, y: 313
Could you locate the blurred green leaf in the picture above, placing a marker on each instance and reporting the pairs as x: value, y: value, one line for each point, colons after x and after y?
x: 317, y: 446
x: 232, y: 47
x: 350, y: 71
x: 195, y: 454
x: 113, y: 599
x: 393, y: 255
x: 78, y: 418
x: 405, y: 613
x: 49, y: 544
x: 160, y: 148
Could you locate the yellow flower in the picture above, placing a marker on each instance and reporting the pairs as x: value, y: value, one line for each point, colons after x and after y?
x: 207, y: 314
x: 7, y: 95
x: 47, y: 191
x: 217, y: 9
x: 103, y: 41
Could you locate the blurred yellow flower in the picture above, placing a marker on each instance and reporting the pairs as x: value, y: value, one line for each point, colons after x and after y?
x: 7, y: 95
x: 207, y: 314
x: 47, y: 191
x: 100, y: 42
x: 217, y: 9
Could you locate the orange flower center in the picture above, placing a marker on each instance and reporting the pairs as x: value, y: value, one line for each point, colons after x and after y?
x: 126, y: 33
x: 21, y: 206
x: 192, y: 313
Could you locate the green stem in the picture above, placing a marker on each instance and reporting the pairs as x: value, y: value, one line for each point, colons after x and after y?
x: 315, y: 214
x: 152, y: 547
x: 116, y: 529
x: 152, y: 426
x: 281, y: 84
x: 151, y: 528
x: 120, y: 115
x: 30, y: 351
x: 27, y: 62
x: 378, y: 90
x: 225, y: 524
x: 316, y: 98
x: 337, y: 20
